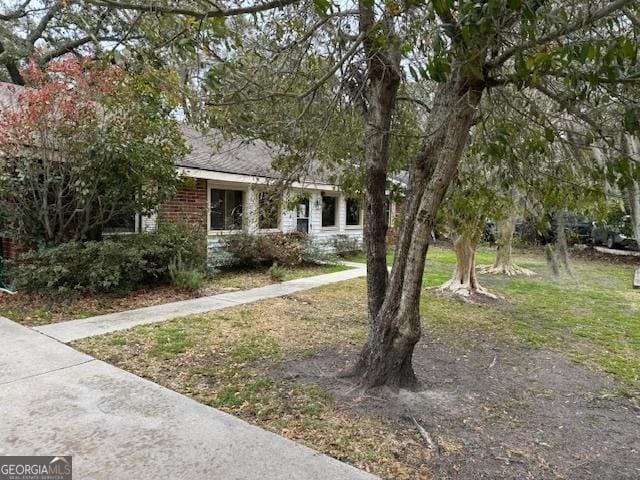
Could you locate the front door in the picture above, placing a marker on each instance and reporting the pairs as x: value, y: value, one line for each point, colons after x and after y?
x: 303, y: 215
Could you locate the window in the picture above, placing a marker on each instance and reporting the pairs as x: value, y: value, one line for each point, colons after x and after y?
x: 353, y: 212
x: 329, y: 211
x: 268, y: 211
x: 226, y: 209
x: 121, y: 223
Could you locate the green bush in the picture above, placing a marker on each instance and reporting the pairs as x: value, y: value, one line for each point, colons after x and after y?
x: 185, y: 277
x: 314, y: 253
x: 113, y: 265
x: 276, y: 272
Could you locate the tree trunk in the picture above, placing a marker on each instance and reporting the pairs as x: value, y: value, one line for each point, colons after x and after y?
x: 382, y: 91
x: 634, y: 203
x: 464, y: 281
x: 558, y: 257
x: 387, y: 355
x: 504, y: 264
x: 506, y: 229
x: 377, y: 104
x: 631, y: 146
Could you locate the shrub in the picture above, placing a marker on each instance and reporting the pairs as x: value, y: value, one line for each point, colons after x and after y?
x: 344, y: 245
x: 276, y: 272
x: 314, y: 253
x: 243, y: 249
x: 114, y: 265
x: 284, y: 248
x: 251, y: 250
x: 185, y: 277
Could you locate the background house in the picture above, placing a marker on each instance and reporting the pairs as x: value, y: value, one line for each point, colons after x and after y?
x: 228, y: 188
x: 232, y: 190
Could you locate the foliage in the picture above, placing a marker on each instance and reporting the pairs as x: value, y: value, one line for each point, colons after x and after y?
x: 86, y: 145
x: 346, y: 246
x: 114, y: 265
x: 251, y: 250
x: 276, y: 272
x: 185, y: 277
x: 316, y: 253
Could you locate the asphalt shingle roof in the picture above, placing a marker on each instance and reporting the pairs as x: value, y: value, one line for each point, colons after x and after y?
x: 212, y: 152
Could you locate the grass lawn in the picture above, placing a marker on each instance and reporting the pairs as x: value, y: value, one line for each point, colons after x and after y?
x: 513, y: 390
x: 33, y: 309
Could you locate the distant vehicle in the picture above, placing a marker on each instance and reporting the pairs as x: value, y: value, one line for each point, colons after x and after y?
x: 490, y: 233
x: 615, y: 235
x: 578, y: 230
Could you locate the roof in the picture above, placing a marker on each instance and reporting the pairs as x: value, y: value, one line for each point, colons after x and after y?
x: 211, y: 151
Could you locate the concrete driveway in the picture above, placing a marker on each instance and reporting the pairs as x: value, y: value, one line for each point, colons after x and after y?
x: 55, y: 400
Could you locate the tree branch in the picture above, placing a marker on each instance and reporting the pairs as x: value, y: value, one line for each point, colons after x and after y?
x: 350, y: 53
x: 17, y: 13
x: 585, y: 21
x: 216, y: 13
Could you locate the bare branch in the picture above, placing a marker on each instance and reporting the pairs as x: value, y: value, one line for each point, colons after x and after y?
x: 344, y: 59
x: 19, y: 12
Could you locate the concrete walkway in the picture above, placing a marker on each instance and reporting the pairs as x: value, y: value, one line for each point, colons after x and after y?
x: 88, y: 327
x: 57, y: 401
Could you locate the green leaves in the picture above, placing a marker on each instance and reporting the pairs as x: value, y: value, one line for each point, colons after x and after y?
x: 631, y: 119
x: 442, y: 6
x: 322, y: 7
x: 514, y: 4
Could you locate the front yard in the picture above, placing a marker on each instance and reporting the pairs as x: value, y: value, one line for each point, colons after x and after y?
x: 33, y: 309
x: 545, y: 384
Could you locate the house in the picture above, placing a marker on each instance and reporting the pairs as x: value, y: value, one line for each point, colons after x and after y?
x: 229, y: 189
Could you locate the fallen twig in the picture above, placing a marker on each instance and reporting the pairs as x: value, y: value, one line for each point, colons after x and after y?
x: 431, y: 445
x: 493, y: 362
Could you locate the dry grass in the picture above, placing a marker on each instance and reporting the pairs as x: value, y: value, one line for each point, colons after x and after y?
x: 226, y: 360
x: 34, y: 309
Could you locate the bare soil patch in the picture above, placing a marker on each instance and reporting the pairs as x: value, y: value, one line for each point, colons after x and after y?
x: 591, y: 254
x: 499, y: 411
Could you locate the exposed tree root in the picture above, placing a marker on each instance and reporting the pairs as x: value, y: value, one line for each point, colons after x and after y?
x: 467, y: 291
x: 510, y: 270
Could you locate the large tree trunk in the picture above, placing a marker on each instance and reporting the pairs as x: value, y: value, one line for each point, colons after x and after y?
x: 381, y: 92
x: 386, y: 358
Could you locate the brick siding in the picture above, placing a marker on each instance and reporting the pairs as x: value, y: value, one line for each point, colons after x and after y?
x: 10, y: 249
x: 189, y: 205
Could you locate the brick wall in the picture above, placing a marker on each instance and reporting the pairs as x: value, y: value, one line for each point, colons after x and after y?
x: 189, y: 205
x: 10, y: 249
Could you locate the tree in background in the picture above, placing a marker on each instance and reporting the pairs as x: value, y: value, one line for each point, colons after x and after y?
x: 472, y: 200
x: 85, y: 145
x: 631, y: 181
